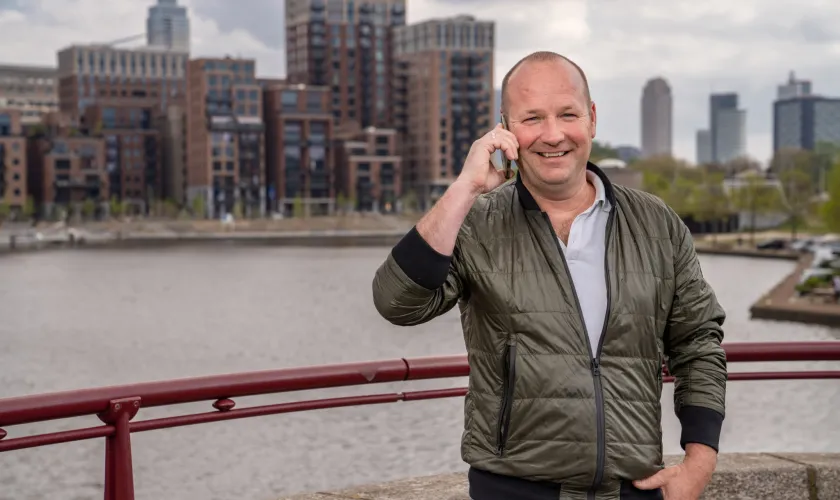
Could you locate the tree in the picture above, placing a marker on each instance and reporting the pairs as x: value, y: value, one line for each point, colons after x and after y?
x: 798, y: 193
x: 115, y: 207
x: 341, y: 201
x: 601, y: 151
x: 710, y: 202
x: 297, y: 207
x: 28, y: 207
x: 4, y: 212
x: 88, y: 208
x: 831, y: 209
x: 198, y: 209
x: 410, y: 203
x: 756, y: 197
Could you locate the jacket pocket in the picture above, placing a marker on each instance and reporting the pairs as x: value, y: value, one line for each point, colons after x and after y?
x: 630, y: 492
x: 508, y: 386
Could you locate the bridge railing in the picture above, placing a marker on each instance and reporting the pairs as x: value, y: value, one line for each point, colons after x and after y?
x: 116, y: 406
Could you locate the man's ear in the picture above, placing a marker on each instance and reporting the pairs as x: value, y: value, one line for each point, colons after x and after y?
x: 593, y: 115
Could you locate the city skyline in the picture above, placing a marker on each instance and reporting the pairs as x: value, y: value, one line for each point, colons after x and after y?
x: 718, y: 47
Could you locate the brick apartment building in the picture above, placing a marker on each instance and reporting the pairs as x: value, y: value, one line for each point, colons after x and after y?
x: 30, y: 89
x: 444, y: 87
x: 224, y: 137
x: 300, y: 159
x: 12, y: 160
x: 370, y: 170
x: 346, y: 45
x: 67, y: 171
x: 122, y: 93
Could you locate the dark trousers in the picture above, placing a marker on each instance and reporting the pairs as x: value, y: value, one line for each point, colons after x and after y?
x: 488, y: 486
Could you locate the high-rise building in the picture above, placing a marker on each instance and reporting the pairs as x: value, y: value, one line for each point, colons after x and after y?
x: 224, y: 137
x: 345, y: 45
x: 300, y: 172
x: 446, y: 91
x: 801, y: 120
x: 727, y: 128
x: 793, y: 88
x: 704, y: 147
x: 168, y: 26
x: 657, y: 109
x: 31, y: 89
x: 120, y: 93
x: 13, y: 182
x: 730, y: 135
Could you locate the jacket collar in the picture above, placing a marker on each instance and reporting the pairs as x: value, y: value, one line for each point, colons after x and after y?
x: 528, y: 202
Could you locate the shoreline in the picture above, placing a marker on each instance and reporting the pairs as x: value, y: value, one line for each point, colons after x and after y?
x: 779, y: 303
x: 83, y: 239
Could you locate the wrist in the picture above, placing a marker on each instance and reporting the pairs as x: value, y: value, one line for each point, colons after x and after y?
x: 464, y: 188
x: 701, y: 455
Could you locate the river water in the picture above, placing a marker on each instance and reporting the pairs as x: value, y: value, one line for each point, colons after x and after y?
x: 76, y: 319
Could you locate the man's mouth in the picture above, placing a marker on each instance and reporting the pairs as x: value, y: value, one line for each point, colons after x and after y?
x: 556, y: 154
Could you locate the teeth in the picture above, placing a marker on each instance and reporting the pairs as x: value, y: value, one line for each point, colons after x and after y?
x: 553, y: 155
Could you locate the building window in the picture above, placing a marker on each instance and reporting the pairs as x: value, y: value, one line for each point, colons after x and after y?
x: 292, y: 132
x: 289, y: 99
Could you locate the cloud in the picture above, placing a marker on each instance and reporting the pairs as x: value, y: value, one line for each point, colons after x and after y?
x: 744, y: 46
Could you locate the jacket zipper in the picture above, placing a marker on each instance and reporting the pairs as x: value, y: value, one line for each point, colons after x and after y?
x: 595, y: 363
x: 509, y: 382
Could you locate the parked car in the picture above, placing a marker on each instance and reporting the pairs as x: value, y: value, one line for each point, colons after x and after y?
x: 774, y: 244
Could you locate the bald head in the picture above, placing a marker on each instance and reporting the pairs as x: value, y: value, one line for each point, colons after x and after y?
x: 544, y: 57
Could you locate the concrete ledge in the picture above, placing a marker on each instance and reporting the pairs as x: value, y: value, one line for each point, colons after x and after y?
x: 762, y: 476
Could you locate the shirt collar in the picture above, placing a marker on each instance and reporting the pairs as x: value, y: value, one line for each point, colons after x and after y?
x: 600, y: 191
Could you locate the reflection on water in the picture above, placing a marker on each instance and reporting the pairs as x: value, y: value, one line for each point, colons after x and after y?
x: 80, y: 319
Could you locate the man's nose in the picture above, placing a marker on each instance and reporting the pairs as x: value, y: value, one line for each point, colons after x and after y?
x: 552, y: 132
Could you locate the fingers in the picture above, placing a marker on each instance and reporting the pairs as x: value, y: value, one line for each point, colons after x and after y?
x: 657, y: 480
x: 499, y: 138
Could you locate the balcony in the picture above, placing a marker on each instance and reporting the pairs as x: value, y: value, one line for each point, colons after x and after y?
x: 222, y: 124
x: 88, y: 182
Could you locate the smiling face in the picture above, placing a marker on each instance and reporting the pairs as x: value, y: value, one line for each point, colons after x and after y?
x: 547, y: 109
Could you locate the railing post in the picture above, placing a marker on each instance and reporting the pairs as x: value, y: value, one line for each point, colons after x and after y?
x: 119, y: 476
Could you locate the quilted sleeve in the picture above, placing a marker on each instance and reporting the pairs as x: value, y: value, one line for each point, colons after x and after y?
x: 693, y: 337
x: 416, y: 283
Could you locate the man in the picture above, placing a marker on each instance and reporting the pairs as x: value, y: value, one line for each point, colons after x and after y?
x: 572, y: 293
x: 836, y: 282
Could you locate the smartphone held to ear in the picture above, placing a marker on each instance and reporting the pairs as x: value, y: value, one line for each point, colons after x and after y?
x: 506, y: 162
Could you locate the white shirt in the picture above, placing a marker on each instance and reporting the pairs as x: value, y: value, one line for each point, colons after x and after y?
x: 585, y: 255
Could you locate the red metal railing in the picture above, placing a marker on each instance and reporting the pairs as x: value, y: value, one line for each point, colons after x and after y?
x: 117, y: 406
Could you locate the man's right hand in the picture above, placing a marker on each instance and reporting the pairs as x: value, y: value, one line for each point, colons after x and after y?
x: 479, y: 172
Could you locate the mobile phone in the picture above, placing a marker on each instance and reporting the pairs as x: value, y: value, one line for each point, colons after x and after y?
x: 506, y: 162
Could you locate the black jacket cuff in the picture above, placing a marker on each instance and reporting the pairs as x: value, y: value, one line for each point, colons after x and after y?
x: 420, y: 262
x: 700, y: 425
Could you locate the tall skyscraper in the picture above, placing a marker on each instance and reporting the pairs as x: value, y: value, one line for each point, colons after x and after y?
x: 345, y: 45
x: 445, y: 99
x: 801, y: 119
x: 728, y: 127
x: 657, y: 109
x: 794, y: 88
x: 168, y: 26
x: 704, y: 147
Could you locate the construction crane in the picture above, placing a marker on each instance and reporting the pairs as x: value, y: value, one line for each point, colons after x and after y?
x: 124, y: 40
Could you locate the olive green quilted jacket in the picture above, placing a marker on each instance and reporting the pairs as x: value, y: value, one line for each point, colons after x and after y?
x: 541, y: 406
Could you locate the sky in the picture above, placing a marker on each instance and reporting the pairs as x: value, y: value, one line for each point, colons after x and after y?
x: 743, y: 46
